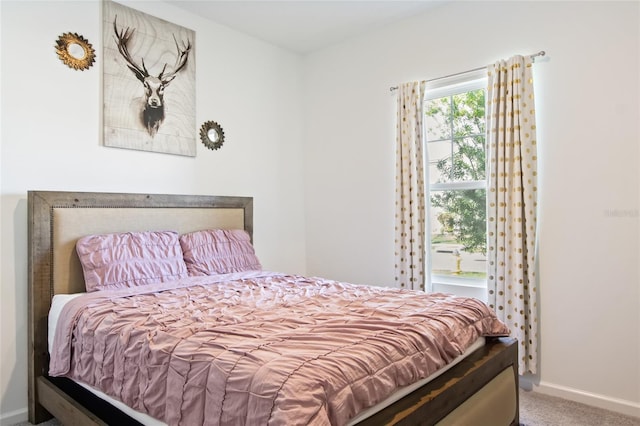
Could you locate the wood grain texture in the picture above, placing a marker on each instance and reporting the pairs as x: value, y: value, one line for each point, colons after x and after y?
x: 63, y: 407
x: 429, y: 404
x: 124, y: 96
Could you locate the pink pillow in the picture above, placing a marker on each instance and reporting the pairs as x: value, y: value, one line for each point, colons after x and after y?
x: 130, y: 259
x: 218, y: 251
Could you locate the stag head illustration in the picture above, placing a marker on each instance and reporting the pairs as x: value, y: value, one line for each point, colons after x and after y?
x: 152, y: 114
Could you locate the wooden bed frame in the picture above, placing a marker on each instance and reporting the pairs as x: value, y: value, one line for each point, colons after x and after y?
x: 482, y: 387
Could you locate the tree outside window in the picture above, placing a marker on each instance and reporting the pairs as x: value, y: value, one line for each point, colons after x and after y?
x: 455, y: 129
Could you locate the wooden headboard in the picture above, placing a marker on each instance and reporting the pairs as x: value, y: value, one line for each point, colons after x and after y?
x: 57, y: 219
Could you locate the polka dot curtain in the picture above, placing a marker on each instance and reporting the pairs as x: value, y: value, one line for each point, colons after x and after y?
x: 410, y: 189
x: 512, y: 202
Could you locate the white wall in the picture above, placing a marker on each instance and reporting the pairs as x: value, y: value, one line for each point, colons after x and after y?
x: 50, y: 141
x: 587, y: 95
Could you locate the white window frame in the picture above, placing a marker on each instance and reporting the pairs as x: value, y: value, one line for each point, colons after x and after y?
x: 459, y: 83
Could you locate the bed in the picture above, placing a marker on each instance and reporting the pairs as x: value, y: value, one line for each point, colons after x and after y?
x: 479, y: 387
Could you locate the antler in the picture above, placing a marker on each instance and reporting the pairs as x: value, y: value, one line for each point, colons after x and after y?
x: 122, y: 41
x: 181, y: 61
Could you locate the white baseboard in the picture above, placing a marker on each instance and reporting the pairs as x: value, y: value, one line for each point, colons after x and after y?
x: 13, y: 417
x: 621, y: 406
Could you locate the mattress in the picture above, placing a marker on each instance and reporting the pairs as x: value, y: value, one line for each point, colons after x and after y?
x: 60, y: 300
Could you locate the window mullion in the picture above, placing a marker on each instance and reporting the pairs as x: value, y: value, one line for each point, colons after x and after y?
x: 456, y: 186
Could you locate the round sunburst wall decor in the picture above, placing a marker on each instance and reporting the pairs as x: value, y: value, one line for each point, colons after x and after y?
x: 75, y: 51
x: 211, y: 135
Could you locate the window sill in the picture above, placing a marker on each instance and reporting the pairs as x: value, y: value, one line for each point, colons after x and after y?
x: 455, y: 281
x: 476, y: 289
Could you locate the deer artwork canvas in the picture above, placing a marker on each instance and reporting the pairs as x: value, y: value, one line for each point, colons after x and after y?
x: 148, y: 82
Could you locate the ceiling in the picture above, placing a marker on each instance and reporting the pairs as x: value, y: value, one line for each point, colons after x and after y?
x: 303, y: 26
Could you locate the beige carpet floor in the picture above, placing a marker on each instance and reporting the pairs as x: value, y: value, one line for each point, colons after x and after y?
x: 537, y: 409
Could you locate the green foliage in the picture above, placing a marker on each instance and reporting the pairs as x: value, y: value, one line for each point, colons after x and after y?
x: 460, y: 120
x: 466, y: 217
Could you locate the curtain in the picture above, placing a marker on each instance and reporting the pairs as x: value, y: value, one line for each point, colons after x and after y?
x: 410, y: 189
x: 512, y: 203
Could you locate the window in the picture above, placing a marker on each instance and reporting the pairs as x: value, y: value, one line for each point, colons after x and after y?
x: 455, y: 145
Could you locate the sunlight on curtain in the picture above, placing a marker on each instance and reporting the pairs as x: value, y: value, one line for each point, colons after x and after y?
x: 512, y: 203
x: 410, y: 189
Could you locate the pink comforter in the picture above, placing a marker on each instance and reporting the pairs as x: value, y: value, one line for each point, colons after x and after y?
x: 261, y: 348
